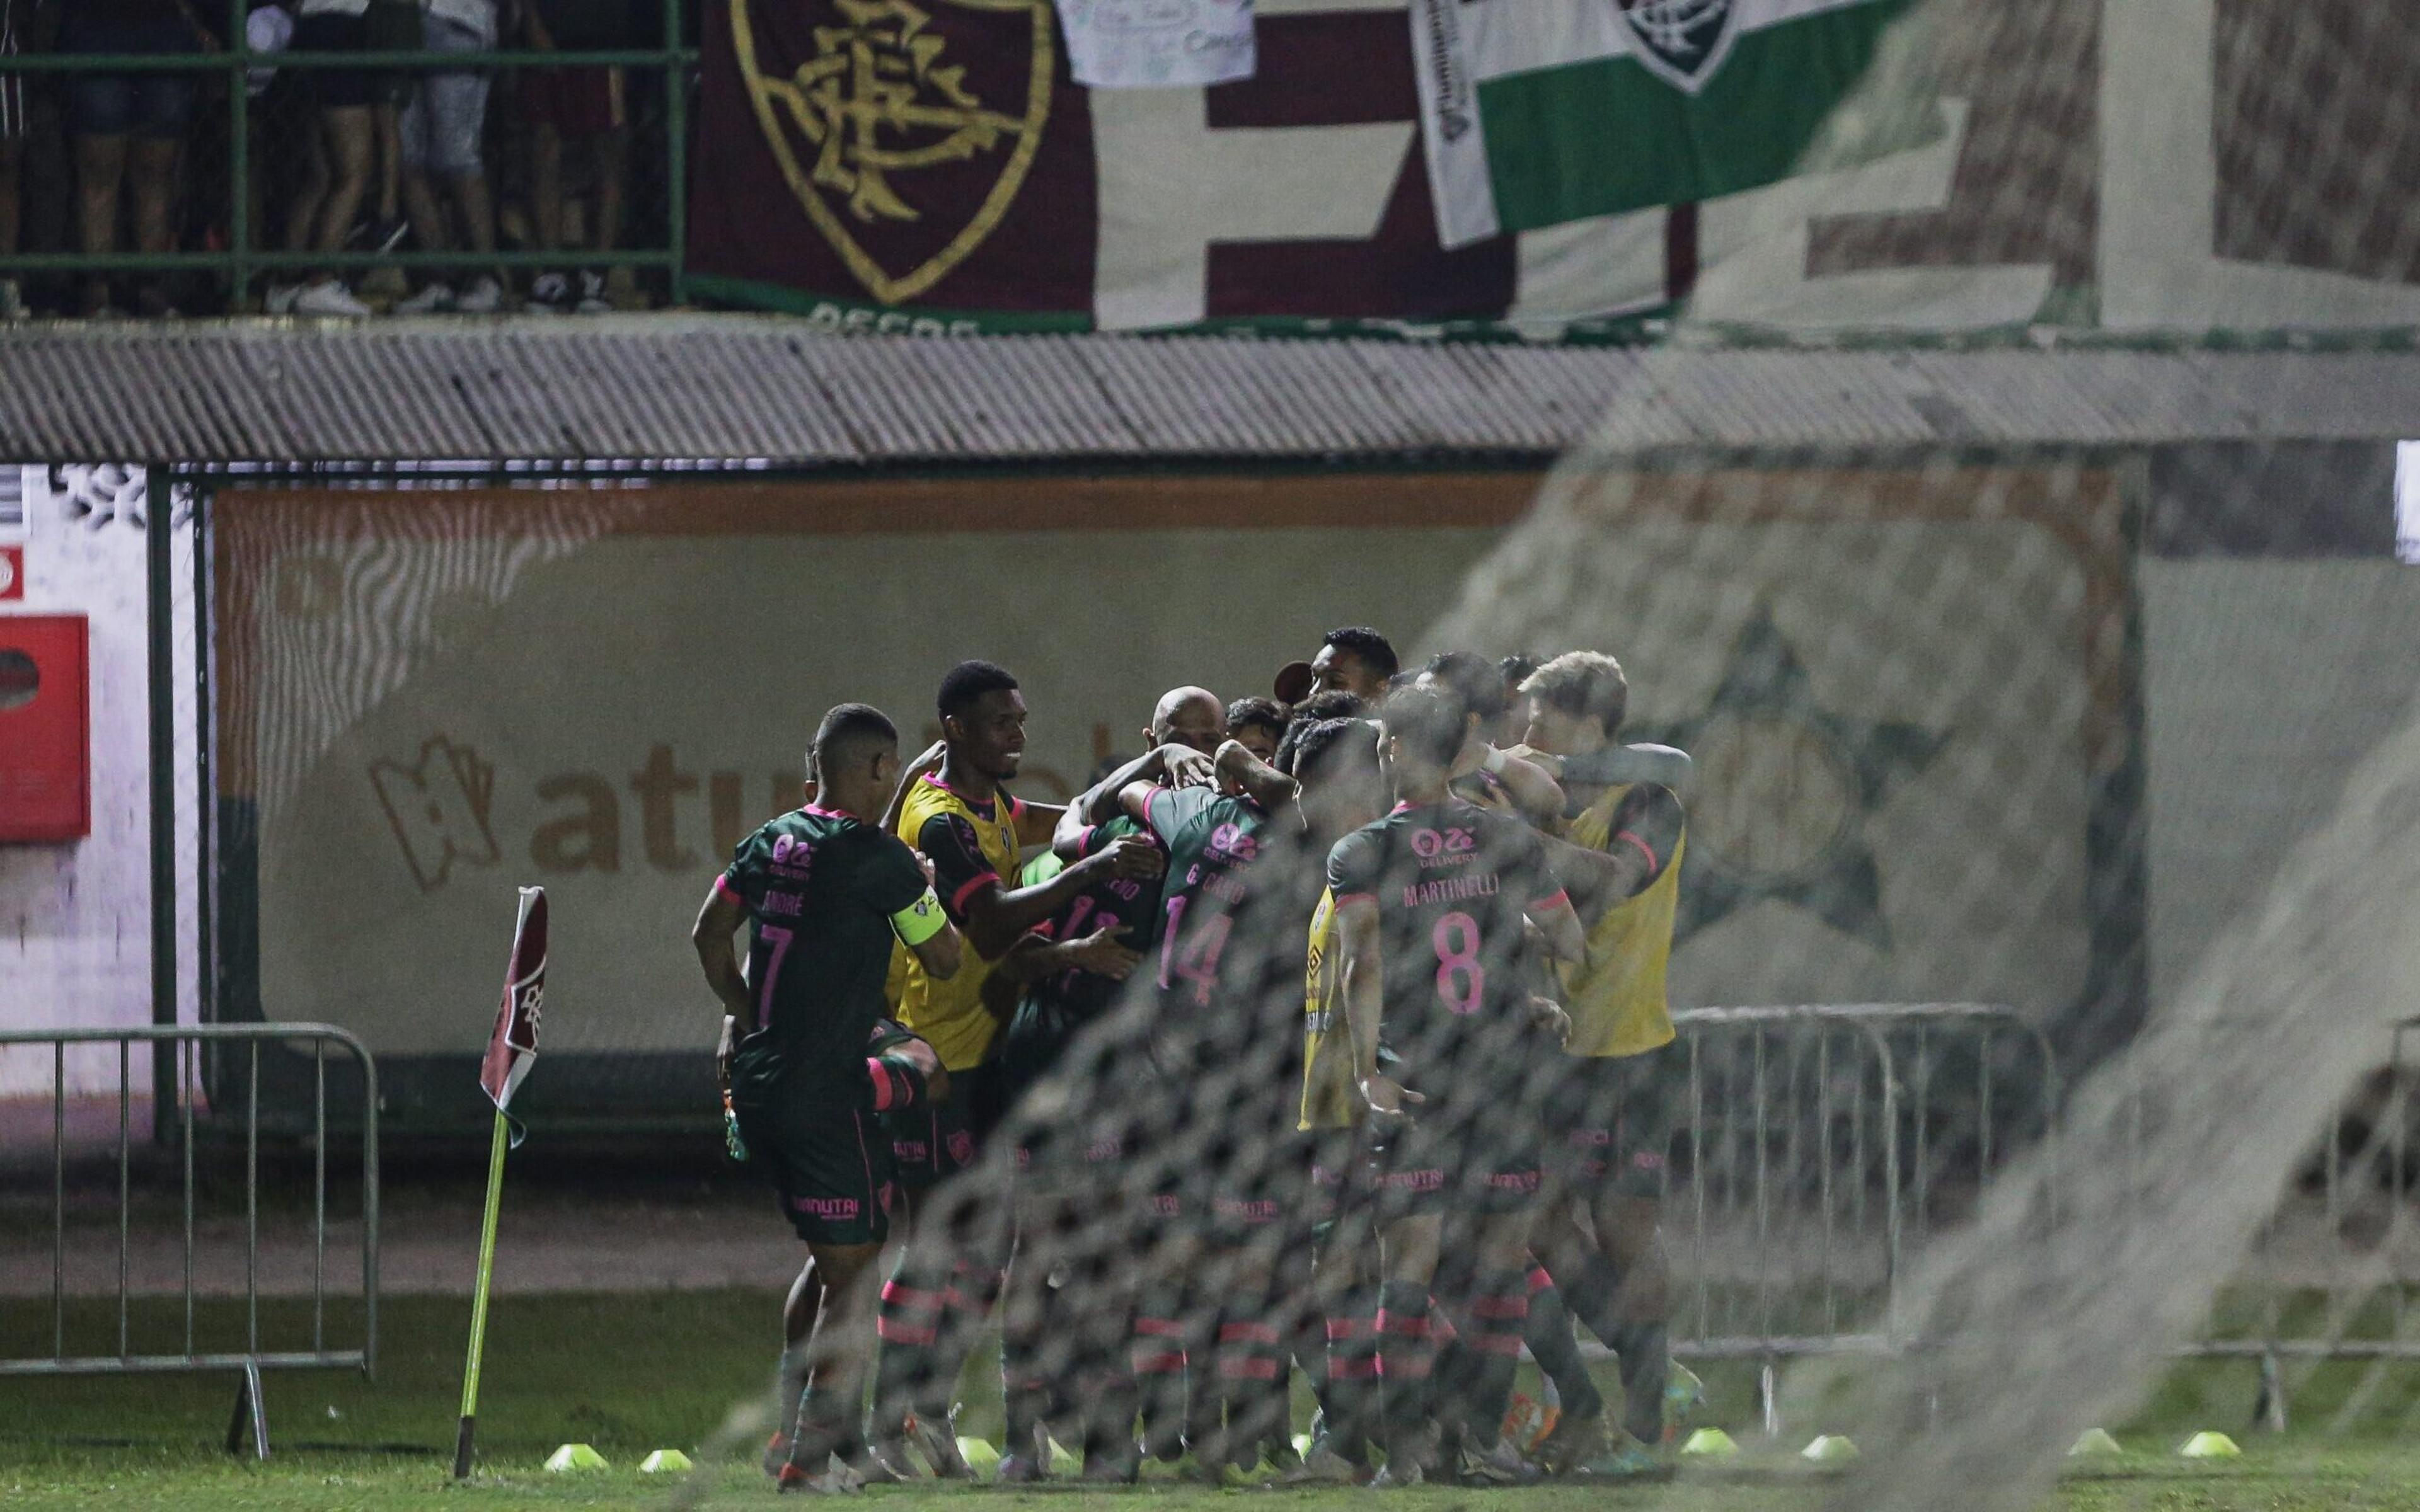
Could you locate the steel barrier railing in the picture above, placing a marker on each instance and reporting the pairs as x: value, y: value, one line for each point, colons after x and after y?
x: 246, y: 255
x: 1820, y: 1141
x: 225, y: 1081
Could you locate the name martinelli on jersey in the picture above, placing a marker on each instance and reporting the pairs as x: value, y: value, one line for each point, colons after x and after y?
x: 1452, y: 889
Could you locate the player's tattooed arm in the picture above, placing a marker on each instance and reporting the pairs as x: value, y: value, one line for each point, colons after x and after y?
x: 1260, y: 781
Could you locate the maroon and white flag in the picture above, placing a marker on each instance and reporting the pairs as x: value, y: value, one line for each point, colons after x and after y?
x: 514, y: 1044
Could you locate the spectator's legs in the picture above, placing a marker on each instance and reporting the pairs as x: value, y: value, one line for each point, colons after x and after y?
x: 310, y: 194
x: 546, y: 184
x: 151, y: 163
x: 100, y: 165
x: 351, y: 138
x: 390, y: 164
x: 611, y: 155
x: 12, y: 153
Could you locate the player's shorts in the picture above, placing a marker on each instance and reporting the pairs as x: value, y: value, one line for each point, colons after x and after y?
x: 1610, y: 1120
x: 1340, y: 1176
x: 931, y: 1144
x: 832, y: 1170
x: 1248, y: 1190
x: 1442, y: 1163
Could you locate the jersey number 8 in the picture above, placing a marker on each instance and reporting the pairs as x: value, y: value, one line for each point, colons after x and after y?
x: 1460, y: 980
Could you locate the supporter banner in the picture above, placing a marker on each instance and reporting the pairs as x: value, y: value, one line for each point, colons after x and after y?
x: 1539, y: 114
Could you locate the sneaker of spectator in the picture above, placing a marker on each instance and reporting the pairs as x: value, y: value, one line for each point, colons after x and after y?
x: 278, y: 299
x: 551, y: 294
x: 436, y: 299
x: 593, y: 299
x: 330, y: 296
x: 486, y: 297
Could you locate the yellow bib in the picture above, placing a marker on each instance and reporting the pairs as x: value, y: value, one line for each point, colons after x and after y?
x: 1328, y: 1100
x: 950, y: 1014
x: 1616, y: 995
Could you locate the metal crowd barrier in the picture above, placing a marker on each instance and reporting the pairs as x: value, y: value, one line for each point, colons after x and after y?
x: 1819, y: 1141
x: 2345, y: 1272
x: 228, y: 1079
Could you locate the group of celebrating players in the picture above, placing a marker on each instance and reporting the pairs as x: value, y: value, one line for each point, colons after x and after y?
x: 1328, y: 1033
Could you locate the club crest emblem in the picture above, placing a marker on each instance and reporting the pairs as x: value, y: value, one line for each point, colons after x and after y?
x: 1683, y: 42
x: 906, y: 130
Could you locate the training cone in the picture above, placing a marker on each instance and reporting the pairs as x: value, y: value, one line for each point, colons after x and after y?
x: 1302, y: 1445
x: 663, y: 1461
x: 1830, y: 1448
x: 1064, y: 1460
x: 2096, y: 1442
x: 1712, y: 1442
x: 2209, y: 1446
x: 980, y: 1456
x: 575, y: 1456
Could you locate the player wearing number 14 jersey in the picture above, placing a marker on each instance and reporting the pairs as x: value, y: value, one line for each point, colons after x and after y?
x: 1435, y: 901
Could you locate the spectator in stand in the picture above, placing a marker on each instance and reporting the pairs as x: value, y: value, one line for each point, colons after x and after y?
x: 129, y: 129
x: 16, y: 21
x: 345, y: 106
x: 586, y: 108
x: 442, y: 131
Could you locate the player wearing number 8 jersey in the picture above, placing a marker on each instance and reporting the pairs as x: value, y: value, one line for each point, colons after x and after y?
x: 1435, y: 901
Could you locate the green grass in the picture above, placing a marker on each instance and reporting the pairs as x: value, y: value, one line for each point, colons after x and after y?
x: 629, y: 1373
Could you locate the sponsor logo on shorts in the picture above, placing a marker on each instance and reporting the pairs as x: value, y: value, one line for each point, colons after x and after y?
x: 1432, y: 1180
x: 1241, y: 1209
x: 1326, y: 1176
x: 1024, y: 1158
x: 1512, y: 1181
x: 1101, y: 1150
x: 962, y: 1147
x: 1160, y: 1205
x: 837, y: 1208
x: 912, y: 1151
x: 1590, y: 1138
x: 1647, y: 1160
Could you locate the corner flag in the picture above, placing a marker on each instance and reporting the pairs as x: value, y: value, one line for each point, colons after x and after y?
x: 510, y: 1050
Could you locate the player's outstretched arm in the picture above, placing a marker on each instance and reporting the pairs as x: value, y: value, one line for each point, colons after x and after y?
x: 995, y: 917
x: 1533, y: 789
x: 1559, y: 928
x: 1180, y: 766
x: 928, y: 760
x: 1663, y: 766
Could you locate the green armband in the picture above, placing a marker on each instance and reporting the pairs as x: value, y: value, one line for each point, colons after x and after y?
x: 920, y: 920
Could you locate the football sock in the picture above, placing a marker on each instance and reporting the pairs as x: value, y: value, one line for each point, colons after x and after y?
x: 1406, y: 1363
x: 1500, y: 1314
x: 790, y: 1389
x: 1352, y: 1374
x: 1646, y: 1367
x: 1156, y: 1356
x: 1252, y: 1379
x: 908, y: 1326
x: 1557, y: 1347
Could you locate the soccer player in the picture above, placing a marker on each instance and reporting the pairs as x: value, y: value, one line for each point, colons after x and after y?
x: 1432, y: 901
x: 1343, y: 788
x: 1230, y: 1115
x: 1620, y: 1084
x: 1258, y: 724
x: 1482, y: 773
x: 962, y: 818
x: 825, y: 894
x: 1356, y: 659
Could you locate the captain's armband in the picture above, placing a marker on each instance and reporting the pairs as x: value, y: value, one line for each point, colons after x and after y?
x: 920, y: 920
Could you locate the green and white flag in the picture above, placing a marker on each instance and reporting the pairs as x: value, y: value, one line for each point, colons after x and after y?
x: 1538, y: 112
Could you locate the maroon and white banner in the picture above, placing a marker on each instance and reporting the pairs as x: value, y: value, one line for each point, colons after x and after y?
x: 514, y: 1044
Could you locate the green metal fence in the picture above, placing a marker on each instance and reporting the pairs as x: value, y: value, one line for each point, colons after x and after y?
x: 246, y: 258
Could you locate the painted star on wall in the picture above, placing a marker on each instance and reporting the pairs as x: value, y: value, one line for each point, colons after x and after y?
x: 1783, y: 789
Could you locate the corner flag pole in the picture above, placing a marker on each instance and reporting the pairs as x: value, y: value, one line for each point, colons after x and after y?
x: 510, y: 1050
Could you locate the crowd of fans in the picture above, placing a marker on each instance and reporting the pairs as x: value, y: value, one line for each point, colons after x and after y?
x: 342, y: 160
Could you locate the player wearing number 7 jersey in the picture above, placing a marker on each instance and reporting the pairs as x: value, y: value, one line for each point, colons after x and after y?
x: 825, y: 894
x: 1436, y: 901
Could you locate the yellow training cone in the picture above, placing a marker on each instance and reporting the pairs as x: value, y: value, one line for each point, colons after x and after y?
x: 663, y: 1460
x: 2096, y: 1442
x: 1064, y: 1460
x: 575, y: 1456
x: 1829, y: 1448
x: 2211, y: 1446
x: 980, y: 1456
x: 1714, y: 1443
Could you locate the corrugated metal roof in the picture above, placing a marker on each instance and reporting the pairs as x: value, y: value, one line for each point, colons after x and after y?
x: 663, y: 387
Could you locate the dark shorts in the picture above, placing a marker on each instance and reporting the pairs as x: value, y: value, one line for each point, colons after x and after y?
x: 575, y: 101
x: 1443, y: 1164
x: 1249, y: 1191
x: 1610, y: 1120
x: 833, y: 1172
x: 342, y: 88
x: 931, y: 1144
x: 129, y: 104
x: 1340, y: 1175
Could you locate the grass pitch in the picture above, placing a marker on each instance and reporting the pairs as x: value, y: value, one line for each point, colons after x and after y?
x: 630, y: 1373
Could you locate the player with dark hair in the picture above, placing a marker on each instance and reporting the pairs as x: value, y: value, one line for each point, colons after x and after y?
x: 1357, y: 660
x: 962, y: 818
x: 1620, y: 1086
x: 1312, y: 712
x: 806, y: 1063
x: 1343, y: 788
x: 1513, y: 722
x: 1482, y: 773
x: 1434, y: 902
x: 1258, y: 724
